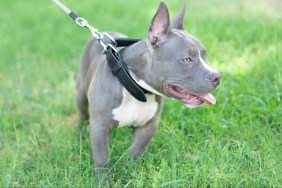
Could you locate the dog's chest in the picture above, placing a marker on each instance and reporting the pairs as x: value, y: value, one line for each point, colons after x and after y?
x: 132, y: 112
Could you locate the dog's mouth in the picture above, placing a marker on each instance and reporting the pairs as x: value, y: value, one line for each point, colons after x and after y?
x: 188, y: 98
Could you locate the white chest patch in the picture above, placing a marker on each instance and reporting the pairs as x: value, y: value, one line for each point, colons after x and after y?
x: 132, y: 112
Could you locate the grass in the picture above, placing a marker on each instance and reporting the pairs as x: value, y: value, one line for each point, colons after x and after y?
x: 236, y: 143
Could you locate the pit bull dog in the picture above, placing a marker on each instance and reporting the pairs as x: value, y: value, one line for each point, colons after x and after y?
x: 170, y: 62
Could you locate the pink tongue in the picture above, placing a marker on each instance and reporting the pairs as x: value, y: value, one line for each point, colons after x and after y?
x: 208, y: 98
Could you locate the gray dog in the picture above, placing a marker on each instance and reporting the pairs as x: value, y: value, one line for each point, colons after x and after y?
x: 170, y: 62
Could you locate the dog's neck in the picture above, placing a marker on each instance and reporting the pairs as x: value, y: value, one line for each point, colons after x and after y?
x: 140, y: 50
x: 139, y: 61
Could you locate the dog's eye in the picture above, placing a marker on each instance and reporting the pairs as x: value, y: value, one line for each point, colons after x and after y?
x: 187, y: 60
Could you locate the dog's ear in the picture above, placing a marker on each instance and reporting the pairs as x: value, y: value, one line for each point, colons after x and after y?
x: 178, y: 21
x: 160, y: 25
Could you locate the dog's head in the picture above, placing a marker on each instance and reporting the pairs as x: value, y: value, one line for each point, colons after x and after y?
x: 179, y: 60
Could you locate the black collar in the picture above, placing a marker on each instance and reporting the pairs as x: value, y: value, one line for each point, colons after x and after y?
x: 120, y: 70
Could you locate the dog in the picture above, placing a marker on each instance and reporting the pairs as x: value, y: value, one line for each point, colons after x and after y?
x: 170, y: 62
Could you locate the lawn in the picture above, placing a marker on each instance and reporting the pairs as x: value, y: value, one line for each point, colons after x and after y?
x: 236, y: 143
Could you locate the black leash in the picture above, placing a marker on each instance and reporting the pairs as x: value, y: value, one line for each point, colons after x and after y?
x: 114, y: 59
x: 125, y: 41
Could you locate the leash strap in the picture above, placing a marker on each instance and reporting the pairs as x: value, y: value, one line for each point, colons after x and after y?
x: 117, y: 65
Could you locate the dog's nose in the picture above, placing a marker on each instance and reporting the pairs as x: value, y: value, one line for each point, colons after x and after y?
x: 214, y: 78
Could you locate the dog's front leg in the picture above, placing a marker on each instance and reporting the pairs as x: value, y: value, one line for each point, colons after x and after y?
x: 100, y: 138
x: 142, y: 137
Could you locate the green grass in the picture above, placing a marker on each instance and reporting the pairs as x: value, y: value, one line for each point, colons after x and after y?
x: 236, y: 143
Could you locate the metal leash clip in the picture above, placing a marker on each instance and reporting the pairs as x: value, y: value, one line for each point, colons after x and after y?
x: 101, y: 35
x: 94, y: 32
x: 112, y: 43
x: 81, y: 21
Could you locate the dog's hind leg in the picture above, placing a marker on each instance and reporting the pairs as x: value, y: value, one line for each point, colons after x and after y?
x: 82, y: 105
